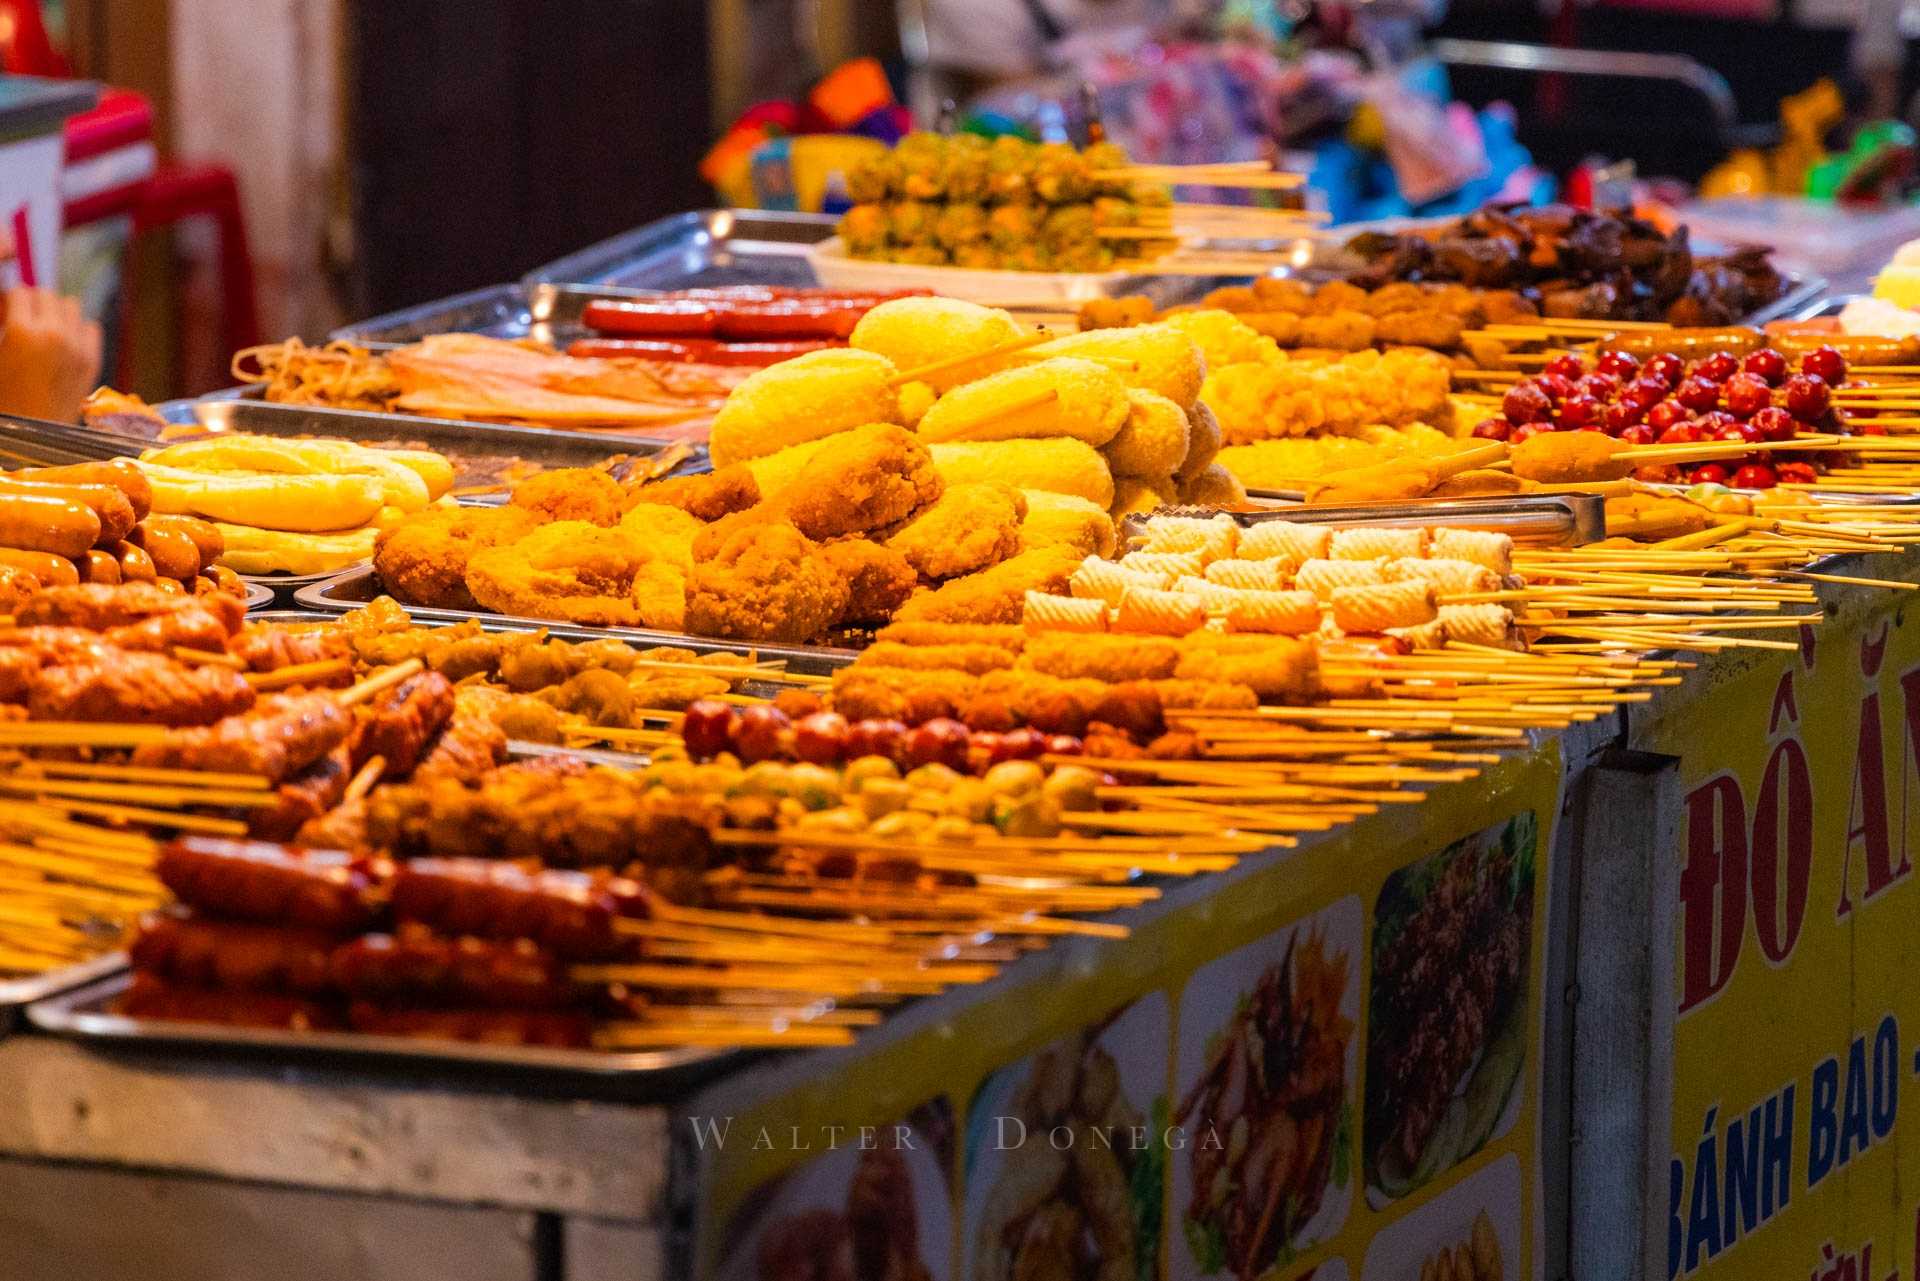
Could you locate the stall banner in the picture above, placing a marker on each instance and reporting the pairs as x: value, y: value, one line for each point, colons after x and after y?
x: 1325, y: 1064
x: 1797, y: 1020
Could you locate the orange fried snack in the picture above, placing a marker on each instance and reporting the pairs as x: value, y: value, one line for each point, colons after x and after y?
x: 573, y: 493
x: 871, y: 476
x: 1570, y: 457
x: 423, y: 559
x: 878, y: 579
x: 766, y: 582
x: 995, y: 595
x: 970, y: 527
x: 708, y: 497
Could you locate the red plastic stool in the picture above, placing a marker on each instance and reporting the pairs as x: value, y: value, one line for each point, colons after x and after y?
x: 178, y: 192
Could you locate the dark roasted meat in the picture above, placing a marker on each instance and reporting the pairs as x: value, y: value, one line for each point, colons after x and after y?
x: 284, y: 735
x: 418, y: 967
x: 267, y: 647
x: 139, y: 689
x: 151, y: 997
x: 275, y: 884
x: 235, y: 955
x: 549, y: 1029
x: 566, y: 912
x: 98, y: 607
x: 306, y: 796
x: 401, y: 726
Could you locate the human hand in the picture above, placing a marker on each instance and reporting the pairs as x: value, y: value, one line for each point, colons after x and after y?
x: 49, y: 355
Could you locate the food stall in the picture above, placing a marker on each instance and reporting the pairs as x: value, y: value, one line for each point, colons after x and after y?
x: 1312, y: 842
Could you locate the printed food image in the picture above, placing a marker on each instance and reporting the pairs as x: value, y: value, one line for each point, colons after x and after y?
x: 1447, y: 1036
x: 865, y: 1212
x: 1475, y: 1259
x: 1274, y: 1092
x: 1048, y: 1207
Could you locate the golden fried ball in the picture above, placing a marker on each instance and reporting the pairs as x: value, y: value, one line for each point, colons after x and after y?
x: 1215, y: 486
x: 912, y: 332
x: 1153, y: 442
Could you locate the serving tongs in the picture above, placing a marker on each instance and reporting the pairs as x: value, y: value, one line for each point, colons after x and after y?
x: 30, y: 442
x: 1531, y: 520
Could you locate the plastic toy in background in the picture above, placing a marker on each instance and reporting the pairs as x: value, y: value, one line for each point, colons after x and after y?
x: 796, y: 155
x: 1874, y: 170
x: 1805, y: 120
x: 1358, y: 182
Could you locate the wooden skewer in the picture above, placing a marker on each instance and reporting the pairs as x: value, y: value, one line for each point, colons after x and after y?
x: 207, y: 658
x: 1008, y: 348
x: 78, y: 734
x: 302, y: 673
x: 364, y: 779
x: 148, y: 774
x: 380, y: 682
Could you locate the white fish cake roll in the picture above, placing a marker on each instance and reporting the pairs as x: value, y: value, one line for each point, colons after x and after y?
x: 1281, y: 613
x: 1431, y: 635
x: 1324, y: 577
x: 1285, y: 540
x: 1383, y: 605
x: 1213, y: 595
x: 1159, y: 613
x: 1106, y: 581
x: 1214, y: 537
x: 1249, y: 575
x: 1481, y: 546
x: 1484, y: 624
x: 1173, y: 564
x: 1377, y: 544
x: 1048, y: 613
x: 1449, y: 577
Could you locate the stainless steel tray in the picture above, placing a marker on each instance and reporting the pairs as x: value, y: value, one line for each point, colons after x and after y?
x: 704, y: 247
x: 85, y: 1014
x: 258, y: 594
x: 17, y: 994
x: 1534, y: 520
x: 236, y: 411
x: 348, y: 591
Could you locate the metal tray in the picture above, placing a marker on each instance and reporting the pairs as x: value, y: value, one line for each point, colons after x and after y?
x: 84, y: 1014
x: 704, y: 247
x: 348, y: 591
x: 237, y: 411
x: 258, y: 594
x: 17, y: 994
x: 1532, y: 520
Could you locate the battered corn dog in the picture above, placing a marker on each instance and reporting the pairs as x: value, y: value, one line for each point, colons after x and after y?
x: 914, y: 332
x: 1089, y: 403
x: 1278, y: 669
x: 1152, y: 441
x: 1570, y: 457
x: 802, y: 399
x: 1155, y: 358
x: 1223, y: 338
x: 774, y: 472
x: 1203, y: 442
x: 1060, y: 465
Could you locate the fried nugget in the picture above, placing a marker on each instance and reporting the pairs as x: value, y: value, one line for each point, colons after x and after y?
x: 1060, y: 465
x: 1214, y: 486
x: 996, y: 595
x: 766, y: 582
x: 569, y: 571
x: 969, y: 528
x: 878, y: 578
x: 873, y: 476
x: 707, y: 497
x: 668, y: 532
x: 573, y: 493
x: 1063, y: 520
x: 710, y: 539
x: 1153, y: 441
x: 423, y: 559
x: 802, y: 399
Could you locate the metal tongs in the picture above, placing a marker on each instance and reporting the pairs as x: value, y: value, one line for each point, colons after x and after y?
x: 1531, y: 520
x: 30, y: 442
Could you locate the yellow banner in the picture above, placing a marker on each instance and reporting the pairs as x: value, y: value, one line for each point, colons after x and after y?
x: 1324, y: 1065
x: 1795, y: 963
